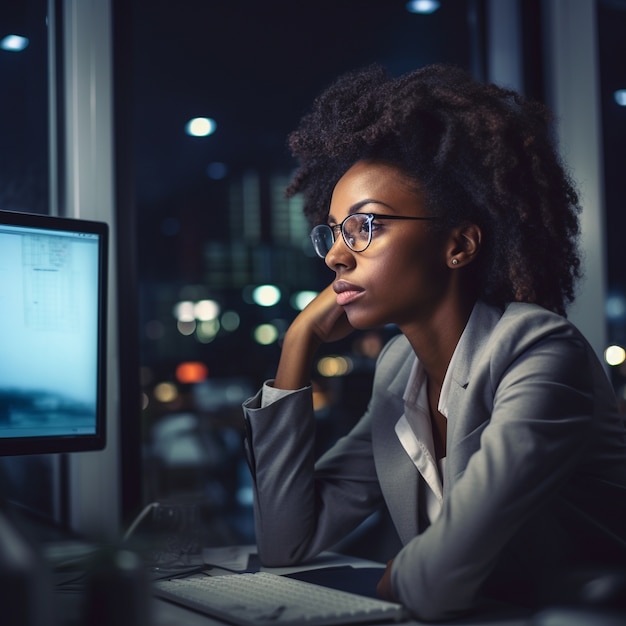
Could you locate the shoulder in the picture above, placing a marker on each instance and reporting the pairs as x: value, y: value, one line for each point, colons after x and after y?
x: 520, y: 312
x: 533, y: 341
x: 521, y: 334
x: 523, y: 325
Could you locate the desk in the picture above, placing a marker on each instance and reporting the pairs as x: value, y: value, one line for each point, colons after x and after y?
x: 69, y: 605
x: 242, y: 558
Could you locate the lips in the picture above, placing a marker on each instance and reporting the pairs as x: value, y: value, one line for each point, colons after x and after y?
x: 346, y: 292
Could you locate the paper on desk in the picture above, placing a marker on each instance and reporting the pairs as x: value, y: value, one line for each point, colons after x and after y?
x: 230, y: 557
x: 326, y: 559
x: 237, y: 558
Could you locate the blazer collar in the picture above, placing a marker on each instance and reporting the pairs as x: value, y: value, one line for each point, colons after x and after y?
x: 478, y: 329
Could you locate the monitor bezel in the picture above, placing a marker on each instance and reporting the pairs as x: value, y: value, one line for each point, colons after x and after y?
x: 58, y: 444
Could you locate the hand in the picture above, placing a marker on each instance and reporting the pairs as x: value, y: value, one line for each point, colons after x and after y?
x: 383, y: 588
x: 322, y: 321
x: 324, y: 318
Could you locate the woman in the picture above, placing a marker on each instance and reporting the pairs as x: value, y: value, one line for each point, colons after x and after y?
x: 492, y: 434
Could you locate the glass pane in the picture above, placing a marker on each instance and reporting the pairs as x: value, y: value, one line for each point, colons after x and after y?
x: 224, y: 259
x: 24, y: 106
x: 612, y: 51
x: 24, y: 187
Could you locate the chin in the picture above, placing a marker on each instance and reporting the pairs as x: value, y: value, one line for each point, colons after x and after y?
x: 363, y: 321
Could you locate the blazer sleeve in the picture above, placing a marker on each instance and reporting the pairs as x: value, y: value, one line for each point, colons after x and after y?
x: 302, y: 508
x: 533, y: 437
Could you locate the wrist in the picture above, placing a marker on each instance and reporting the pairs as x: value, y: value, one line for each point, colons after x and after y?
x: 297, y: 354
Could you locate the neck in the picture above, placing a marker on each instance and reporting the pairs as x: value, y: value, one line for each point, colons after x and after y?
x: 435, y: 338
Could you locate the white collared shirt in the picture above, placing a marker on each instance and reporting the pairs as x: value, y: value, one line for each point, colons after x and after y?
x: 414, y: 428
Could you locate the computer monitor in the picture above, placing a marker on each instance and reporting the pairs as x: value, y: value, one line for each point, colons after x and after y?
x: 53, y: 302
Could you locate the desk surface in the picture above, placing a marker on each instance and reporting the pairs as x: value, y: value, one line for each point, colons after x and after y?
x: 165, y: 613
x: 243, y: 558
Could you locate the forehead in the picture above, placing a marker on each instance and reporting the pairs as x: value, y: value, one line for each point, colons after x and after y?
x: 378, y: 182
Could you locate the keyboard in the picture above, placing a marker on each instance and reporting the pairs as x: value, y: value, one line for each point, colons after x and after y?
x: 266, y: 598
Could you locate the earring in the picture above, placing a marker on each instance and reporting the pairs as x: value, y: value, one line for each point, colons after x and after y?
x: 455, y: 261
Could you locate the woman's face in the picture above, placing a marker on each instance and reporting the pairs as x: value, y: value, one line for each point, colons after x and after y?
x: 402, y: 276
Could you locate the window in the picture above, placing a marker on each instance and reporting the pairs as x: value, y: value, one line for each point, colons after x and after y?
x: 612, y: 47
x: 224, y: 259
x: 24, y: 162
x: 25, y: 187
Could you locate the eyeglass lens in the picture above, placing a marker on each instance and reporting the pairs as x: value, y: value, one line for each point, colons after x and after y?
x: 356, y: 231
x: 323, y: 239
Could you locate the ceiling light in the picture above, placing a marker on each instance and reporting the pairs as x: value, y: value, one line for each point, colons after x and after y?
x: 200, y: 127
x: 14, y: 43
x: 423, y: 7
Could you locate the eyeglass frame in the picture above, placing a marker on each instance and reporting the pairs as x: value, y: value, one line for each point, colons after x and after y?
x: 370, y: 218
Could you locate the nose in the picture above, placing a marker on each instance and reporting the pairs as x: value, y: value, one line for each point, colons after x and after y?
x: 339, y: 255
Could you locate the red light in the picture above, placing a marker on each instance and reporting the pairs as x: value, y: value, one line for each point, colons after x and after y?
x: 191, y: 372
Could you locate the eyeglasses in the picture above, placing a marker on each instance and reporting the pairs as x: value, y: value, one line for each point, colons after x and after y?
x: 356, y: 231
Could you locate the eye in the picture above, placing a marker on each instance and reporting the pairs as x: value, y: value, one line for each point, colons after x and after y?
x: 376, y: 224
x: 358, y: 227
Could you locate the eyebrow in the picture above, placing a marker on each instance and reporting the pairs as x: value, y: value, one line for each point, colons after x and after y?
x: 359, y: 205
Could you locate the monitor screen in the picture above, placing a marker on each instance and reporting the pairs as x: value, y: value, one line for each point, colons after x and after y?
x: 53, y: 279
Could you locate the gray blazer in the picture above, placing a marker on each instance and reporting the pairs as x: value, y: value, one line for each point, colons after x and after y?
x: 535, y: 475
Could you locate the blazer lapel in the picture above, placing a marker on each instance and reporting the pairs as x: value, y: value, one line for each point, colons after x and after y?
x: 398, y: 476
x: 476, y: 335
x: 400, y: 480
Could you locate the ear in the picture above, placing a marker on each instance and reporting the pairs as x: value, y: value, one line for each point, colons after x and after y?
x: 464, y: 245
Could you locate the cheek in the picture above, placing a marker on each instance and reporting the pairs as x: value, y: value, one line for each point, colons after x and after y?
x: 408, y: 262
x: 384, y: 271
x: 392, y: 280
x: 412, y: 273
